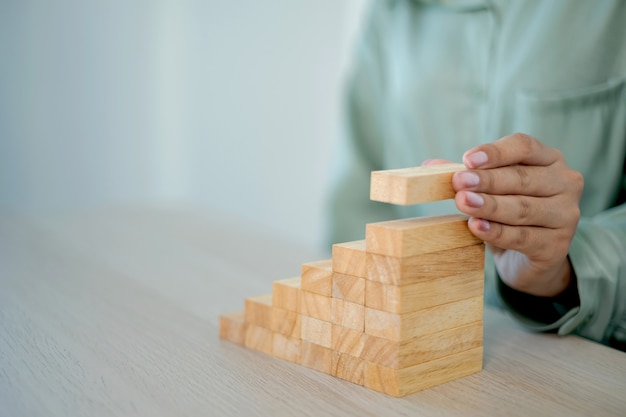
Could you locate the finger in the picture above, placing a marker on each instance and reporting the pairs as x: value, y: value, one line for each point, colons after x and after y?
x: 538, y: 243
x: 511, y: 150
x: 515, y: 179
x: 515, y: 210
x: 429, y: 162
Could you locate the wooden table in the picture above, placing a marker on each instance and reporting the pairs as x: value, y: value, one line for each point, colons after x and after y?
x: 116, y: 312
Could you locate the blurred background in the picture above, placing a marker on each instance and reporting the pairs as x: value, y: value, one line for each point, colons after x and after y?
x: 233, y: 107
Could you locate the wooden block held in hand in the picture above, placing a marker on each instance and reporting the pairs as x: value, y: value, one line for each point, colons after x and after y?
x: 258, y: 310
x: 349, y: 258
x: 414, y: 185
x: 399, y: 327
x: 317, y: 331
x: 411, y: 269
x: 259, y: 338
x: 415, y: 236
x: 315, y: 305
x: 409, y: 352
x: 400, y: 382
x: 423, y: 294
x: 233, y: 327
x: 349, y: 288
x: 316, y: 357
x: 286, y: 294
x: 317, y: 277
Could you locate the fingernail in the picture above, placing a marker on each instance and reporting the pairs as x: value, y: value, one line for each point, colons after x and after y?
x: 483, y: 225
x: 426, y: 162
x: 476, y: 159
x: 474, y: 200
x: 469, y: 179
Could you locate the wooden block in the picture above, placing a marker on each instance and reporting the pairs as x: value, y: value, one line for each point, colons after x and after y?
x: 421, y: 349
x: 286, y: 294
x: 349, y: 288
x: 317, y: 277
x: 258, y: 310
x: 285, y: 322
x: 423, y: 294
x: 259, y: 338
x: 317, y: 331
x: 410, y: 237
x: 348, y: 368
x: 347, y: 314
x: 233, y: 327
x: 349, y: 258
x: 411, y: 269
x: 349, y: 341
x: 400, y: 382
x: 414, y: 185
x: 399, y: 327
x: 287, y: 348
x: 316, y: 357
x: 316, y: 306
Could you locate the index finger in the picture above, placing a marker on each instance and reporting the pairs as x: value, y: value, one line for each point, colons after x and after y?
x: 517, y: 149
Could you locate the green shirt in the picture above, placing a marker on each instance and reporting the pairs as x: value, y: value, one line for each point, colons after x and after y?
x: 433, y: 79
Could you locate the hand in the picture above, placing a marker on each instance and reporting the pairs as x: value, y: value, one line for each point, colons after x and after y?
x: 523, y: 202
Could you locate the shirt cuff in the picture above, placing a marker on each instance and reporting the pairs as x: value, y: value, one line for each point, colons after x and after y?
x: 541, y: 313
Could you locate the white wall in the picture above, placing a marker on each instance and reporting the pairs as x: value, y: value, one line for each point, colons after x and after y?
x: 232, y: 106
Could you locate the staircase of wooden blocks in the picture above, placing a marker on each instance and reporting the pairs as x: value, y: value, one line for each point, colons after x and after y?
x: 398, y: 312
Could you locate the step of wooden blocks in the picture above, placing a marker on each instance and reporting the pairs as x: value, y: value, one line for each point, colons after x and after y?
x: 416, y: 236
x: 424, y: 294
x: 415, y: 350
x: 397, y: 312
x: 349, y: 258
x: 395, y: 270
x: 317, y: 277
x: 400, y: 382
x: 233, y: 327
x: 399, y: 327
x: 286, y: 294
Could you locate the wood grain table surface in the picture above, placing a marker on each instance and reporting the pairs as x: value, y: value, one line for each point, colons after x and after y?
x: 115, y: 313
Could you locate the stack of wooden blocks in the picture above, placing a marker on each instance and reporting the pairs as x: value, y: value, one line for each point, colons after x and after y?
x: 398, y: 312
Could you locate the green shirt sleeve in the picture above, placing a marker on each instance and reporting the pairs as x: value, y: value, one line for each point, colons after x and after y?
x: 595, y: 307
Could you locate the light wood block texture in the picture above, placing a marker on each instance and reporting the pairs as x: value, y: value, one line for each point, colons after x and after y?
x: 285, y: 322
x: 414, y: 185
x: 399, y: 327
x: 258, y: 310
x: 397, y: 312
x: 394, y: 270
x: 233, y: 327
x: 317, y: 331
x: 399, y: 382
x: 415, y: 236
x: 347, y: 314
x: 349, y: 258
x: 317, y: 277
x: 317, y: 357
x: 348, y: 367
x: 424, y: 294
x: 413, y: 351
x: 316, y: 306
x: 349, y: 288
x: 286, y: 294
